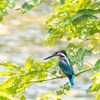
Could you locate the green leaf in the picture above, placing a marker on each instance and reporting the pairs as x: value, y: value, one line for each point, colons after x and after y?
x: 83, y: 52
x: 4, y: 12
x: 70, y: 45
x: 49, y: 20
x: 20, y: 70
x: 95, y: 43
x: 26, y: 7
x: 66, y: 86
x: 83, y: 18
x: 29, y: 76
x: 11, y: 1
x: 6, y: 83
x: 28, y: 64
x: 66, y: 23
x: 95, y: 5
x: 59, y: 92
x: 0, y: 18
x: 87, y: 12
x: 12, y: 89
x: 88, y: 53
x: 63, y: 88
x: 11, y: 66
x: 88, y: 90
x: 96, y: 85
x: 2, y: 4
x: 50, y: 31
x: 8, y: 73
x: 41, y: 75
x: 97, y: 66
x: 79, y: 65
x: 98, y: 95
x: 54, y: 70
x: 8, y: 64
x: 5, y: 96
x: 49, y: 42
x: 11, y: 5
x: 80, y: 54
x: 22, y: 98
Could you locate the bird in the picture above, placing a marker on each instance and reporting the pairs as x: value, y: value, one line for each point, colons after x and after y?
x: 64, y: 64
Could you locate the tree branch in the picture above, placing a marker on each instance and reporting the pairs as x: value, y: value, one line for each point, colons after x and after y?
x: 59, y: 77
x: 83, y: 71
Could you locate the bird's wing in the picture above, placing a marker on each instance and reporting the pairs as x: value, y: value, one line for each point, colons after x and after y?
x: 66, y: 66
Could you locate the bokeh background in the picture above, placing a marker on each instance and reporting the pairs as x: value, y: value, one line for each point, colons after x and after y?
x: 22, y: 36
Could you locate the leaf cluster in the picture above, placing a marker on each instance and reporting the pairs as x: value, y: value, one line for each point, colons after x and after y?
x: 73, y: 18
x: 18, y: 78
x: 4, y: 5
x: 63, y: 88
x: 96, y: 83
x: 77, y: 53
x: 29, y: 4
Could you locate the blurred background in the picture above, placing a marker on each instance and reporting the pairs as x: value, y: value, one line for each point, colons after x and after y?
x: 22, y: 36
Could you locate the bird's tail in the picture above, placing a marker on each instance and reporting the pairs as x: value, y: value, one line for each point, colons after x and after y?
x: 72, y: 81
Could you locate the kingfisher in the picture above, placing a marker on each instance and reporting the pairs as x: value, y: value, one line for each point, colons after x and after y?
x: 64, y: 64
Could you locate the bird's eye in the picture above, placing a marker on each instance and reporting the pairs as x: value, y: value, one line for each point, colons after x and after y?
x: 55, y: 53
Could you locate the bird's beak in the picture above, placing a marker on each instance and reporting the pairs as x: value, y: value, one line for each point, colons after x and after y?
x: 49, y: 57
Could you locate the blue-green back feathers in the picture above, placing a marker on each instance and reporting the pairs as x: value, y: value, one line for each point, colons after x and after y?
x: 67, y: 68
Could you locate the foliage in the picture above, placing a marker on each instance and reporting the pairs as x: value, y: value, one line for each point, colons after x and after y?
x: 29, y: 4
x: 71, y: 19
x: 18, y: 80
x: 76, y: 53
x: 63, y: 88
x: 95, y: 43
x: 4, y: 5
x: 96, y: 84
x: 76, y: 18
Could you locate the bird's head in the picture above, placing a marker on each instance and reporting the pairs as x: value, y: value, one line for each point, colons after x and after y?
x: 60, y: 53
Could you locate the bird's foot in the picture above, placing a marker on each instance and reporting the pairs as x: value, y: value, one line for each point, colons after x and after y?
x: 62, y: 76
